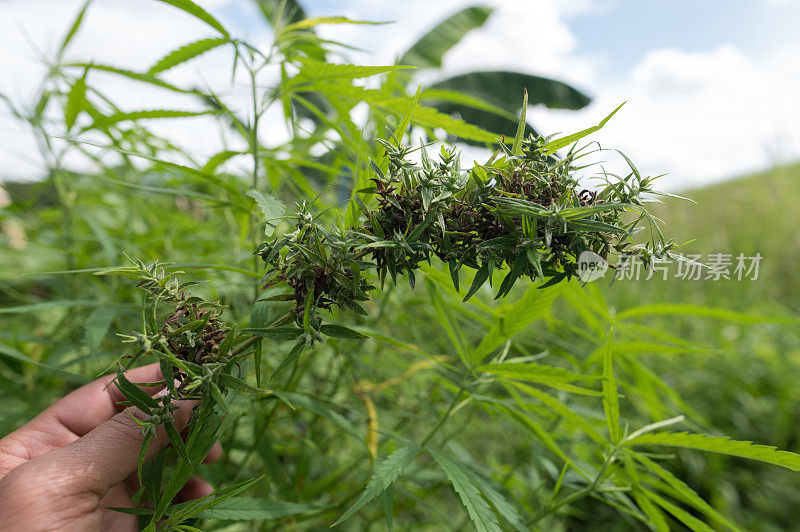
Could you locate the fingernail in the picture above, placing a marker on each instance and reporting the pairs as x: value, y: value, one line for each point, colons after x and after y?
x: 161, y: 393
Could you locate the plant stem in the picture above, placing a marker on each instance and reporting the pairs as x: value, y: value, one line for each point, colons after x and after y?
x: 253, y: 71
x: 578, y: 494
x: 446, y: 416
x: 245, y: 345
x: 254, y: 125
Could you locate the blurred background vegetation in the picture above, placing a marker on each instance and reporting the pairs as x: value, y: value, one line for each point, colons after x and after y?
x: 715, y: 355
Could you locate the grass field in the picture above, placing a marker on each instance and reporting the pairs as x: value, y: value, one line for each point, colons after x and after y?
x: 750, y: 214
x: 745, y: 383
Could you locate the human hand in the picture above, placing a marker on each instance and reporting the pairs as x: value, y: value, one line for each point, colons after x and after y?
x: 61, y: 470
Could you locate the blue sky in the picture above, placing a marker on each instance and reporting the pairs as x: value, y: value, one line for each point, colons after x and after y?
x: 623, y: 29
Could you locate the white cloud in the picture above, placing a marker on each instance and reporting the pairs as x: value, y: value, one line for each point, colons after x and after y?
x: 522, y: 35
x: 699, y: 117
x: 670, y: 71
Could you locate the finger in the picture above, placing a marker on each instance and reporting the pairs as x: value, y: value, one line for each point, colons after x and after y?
x: 118, y: 497
x: 214, y: 454
x: 109, y: 453
x: 195, y: 488
x: 92, y: 404
x: 69, y: 418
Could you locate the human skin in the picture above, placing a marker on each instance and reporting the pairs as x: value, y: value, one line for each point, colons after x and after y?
x: 61, y: 470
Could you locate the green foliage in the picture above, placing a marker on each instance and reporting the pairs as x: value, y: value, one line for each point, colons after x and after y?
x: 195, y: 10
x: 281, y: 12
x: 185, y: 53
x: 501, y: 89
x: 744, y: 449
x: 610, y: 399
x: 384, y: 476
x: 271, y: 207
x: 427, y: 52
x: 479, y: 510
x: 415, y: 408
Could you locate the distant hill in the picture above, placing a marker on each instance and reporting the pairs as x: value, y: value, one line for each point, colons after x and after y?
x: 758, y: 213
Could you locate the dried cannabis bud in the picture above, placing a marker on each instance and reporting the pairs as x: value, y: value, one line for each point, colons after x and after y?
x: 522, y: 211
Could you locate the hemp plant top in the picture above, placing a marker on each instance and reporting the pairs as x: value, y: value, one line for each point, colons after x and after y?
x: 522, y: 211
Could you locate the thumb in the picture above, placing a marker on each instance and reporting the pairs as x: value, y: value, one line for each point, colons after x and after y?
x: 109, y: 453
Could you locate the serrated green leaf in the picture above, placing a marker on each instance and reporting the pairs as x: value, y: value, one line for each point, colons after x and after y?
x: 561, y: 409
x: 610, y: 398
x: 202, y: 435
x: 185, y: 53
x: 684, y: 492
x: 76, y: 101
x: 692, y: 522
x: 196, y: 11
x: 574, y: 213
x: 311, y: 22
x: 288, y: 360
x: 423, y: 116
x: 148, y: 437
x: 130, y: 74
x: 514, y: 318
x: 721, y: 445
x: 193, y: 508
x: 96, y: 327
x: 500, y: 503
x: 478, y: 509
x: 146, y: 114
x: 535, y: 428
x: 175, y: 167
x: 247, y: 509
x: 153, y: 476
x: 385, y: 474
x: 318, y: 71
x: 536, y: 261
x: 402, y: 126
x: 657, y: 519
x: 551, y: 376
x: 271, y: 207
x: 257, y: 354
x: 444, y: 314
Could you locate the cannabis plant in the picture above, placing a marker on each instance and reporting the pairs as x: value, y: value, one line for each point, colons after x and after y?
x: 379, y: 334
